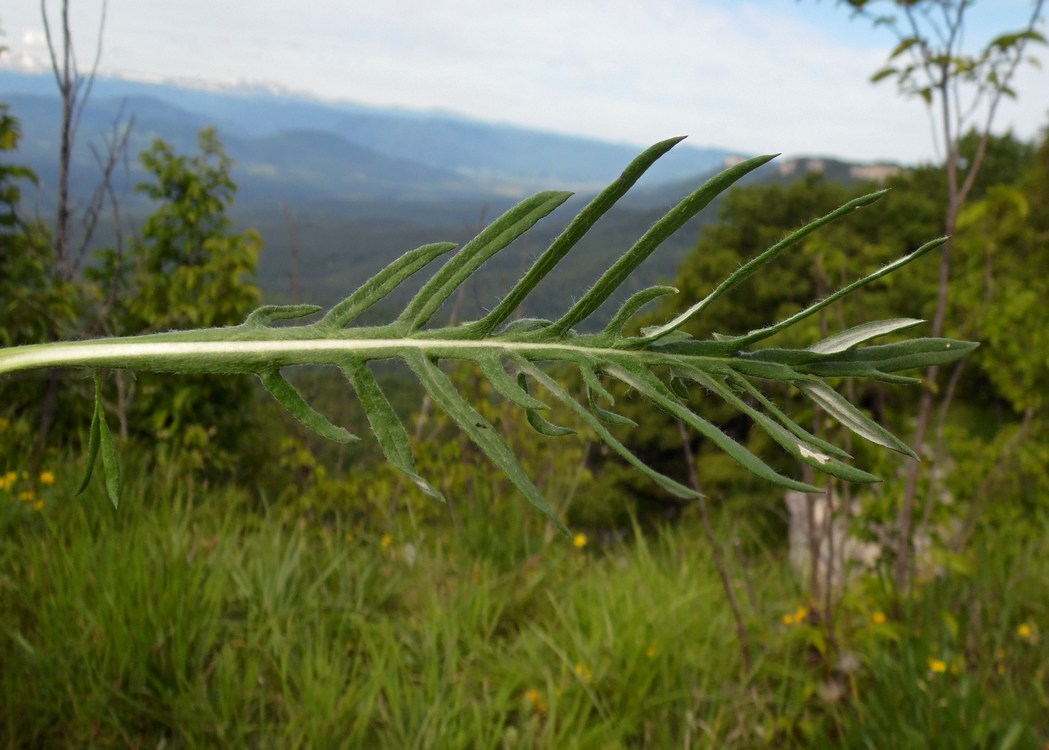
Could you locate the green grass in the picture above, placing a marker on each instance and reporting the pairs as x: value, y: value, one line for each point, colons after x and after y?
x: 190, y: 618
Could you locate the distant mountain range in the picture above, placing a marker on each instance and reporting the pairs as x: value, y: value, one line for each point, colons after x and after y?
x: 339, y: 189
x: 289, y: 146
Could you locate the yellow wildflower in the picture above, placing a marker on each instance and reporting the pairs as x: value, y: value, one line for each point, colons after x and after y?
x: 3, y: 424
x: 937, y: 666
x: 651, y: 651
x: 387, y: 541
x: 796, y: 617
x: 26, y: 496
x: 46, y: 477
x: 1024, y: 630
x: 579, y: 540
x: 38, y: 505
x: 535, y: 699
x: 583, y: 672
x: 11, y: 477
x: 878, y: 618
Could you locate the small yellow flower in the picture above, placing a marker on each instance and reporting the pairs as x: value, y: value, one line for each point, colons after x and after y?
x: 796, y: 617
x: 937, y: 666
x: 579, y: 540
x: 651, y: 651
x: 387, y: 541
x: 46, y: 477
x: 583, y: 672
x: 3, y: 424
x: 878, y: 618
x: 1024, y: 630
x: 535, y: 699
x: 38, y: 505
x: 11, y: 477
x: 26, y: 496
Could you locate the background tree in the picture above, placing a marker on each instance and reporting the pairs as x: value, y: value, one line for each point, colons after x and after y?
x: 962, y: 91
x: 189, y: 268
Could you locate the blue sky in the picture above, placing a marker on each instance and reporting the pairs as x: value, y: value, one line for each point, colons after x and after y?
x: 756, y: 75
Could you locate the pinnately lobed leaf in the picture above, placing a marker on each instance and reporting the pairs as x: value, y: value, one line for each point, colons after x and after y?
x: 726, y: 366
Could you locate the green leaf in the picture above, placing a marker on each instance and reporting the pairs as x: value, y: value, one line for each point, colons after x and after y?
x: 269, y: 313
x: 290, y: 399
x: 472, y: 256
x: 381, y: 284
x: 593, y: 383
x: 575, y: 231
x: 388, y: 429
x: 110, y: 461
x: 903, y: 46
x: 763, y: 333
x: 673, y: 487
x: 723, y: 365
x: 802, y: 449
x: 647, y: 384
x: 851, y: 417
x: 538, y: 422
x: 93, y: 437
x: 905, y: 355
x: 653, y: 238
x: 480, y: 431
x: 785, y: 420
x: 492, y: 367
x: 749, y: 268
x: 630, y: 308
x: 882, y: 74
x: 857, y: 335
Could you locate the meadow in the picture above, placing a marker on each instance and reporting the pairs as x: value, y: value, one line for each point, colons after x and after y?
x: 197, y: 617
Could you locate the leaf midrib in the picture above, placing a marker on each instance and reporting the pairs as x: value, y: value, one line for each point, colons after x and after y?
x: 132, y: 353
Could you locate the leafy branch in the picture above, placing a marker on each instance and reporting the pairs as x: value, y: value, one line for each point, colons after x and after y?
x: 509, y: 353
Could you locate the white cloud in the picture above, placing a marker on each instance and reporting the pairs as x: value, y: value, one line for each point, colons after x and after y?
x: 759, y: 75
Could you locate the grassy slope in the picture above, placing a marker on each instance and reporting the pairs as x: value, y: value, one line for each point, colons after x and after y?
x: 190, y: 619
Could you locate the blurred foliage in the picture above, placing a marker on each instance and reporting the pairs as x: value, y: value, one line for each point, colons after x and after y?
x: 188, y: 268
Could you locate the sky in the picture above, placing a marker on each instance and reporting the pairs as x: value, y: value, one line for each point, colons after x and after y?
x: 754, y: 76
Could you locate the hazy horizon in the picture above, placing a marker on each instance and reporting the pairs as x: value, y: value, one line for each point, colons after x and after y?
x: 788, y: 76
